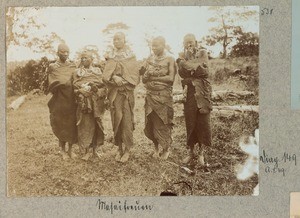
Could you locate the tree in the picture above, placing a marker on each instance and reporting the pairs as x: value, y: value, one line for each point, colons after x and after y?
x: 110, y: 28
x: 23, y: 24
x: 18, y: 22
x: 247, y: 44
x: 113, y: 28
x: 226, y: 19
x: 29, y: 77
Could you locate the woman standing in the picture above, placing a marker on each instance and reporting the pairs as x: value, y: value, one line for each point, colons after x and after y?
x: 193, y: 70
x: 90, y: 94
x: 121, y: 74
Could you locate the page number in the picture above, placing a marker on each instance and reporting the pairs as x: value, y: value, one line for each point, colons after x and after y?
x: 266, y: 11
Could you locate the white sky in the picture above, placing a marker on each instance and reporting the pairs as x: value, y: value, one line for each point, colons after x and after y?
x: 80, y: 26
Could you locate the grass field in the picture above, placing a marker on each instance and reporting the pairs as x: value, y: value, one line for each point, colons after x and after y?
x: 35, y: 167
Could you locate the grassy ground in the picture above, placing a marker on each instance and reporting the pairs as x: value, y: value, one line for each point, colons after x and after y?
x: 35, y: 167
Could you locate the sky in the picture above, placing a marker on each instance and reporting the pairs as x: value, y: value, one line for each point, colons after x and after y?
x: 81, y: 26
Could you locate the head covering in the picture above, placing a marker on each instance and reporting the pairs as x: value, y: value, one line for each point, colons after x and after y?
x: 86, y: 53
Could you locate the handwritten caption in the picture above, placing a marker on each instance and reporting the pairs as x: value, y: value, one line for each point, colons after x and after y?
x: 122, y: 206
x: 266, y: 11
x: 277, y: 164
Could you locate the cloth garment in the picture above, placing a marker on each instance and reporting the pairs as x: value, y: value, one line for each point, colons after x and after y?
x: 121, y: 63
x: 197, y: 106
x: 62, y: 105
x: 90, y: 96
x: 158, y: 102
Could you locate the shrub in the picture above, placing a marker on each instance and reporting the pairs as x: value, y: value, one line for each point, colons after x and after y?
x: 222, y: 71
x: 29, y: 77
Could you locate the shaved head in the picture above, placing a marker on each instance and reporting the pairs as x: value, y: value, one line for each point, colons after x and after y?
x: 119, y: 40
x: 158, y: 45
x: 120, y: 34
x: 160, y: 40
x: 63, y: 52
x: 63, y: 47
x: 189, y: 40
x: 189, y: 36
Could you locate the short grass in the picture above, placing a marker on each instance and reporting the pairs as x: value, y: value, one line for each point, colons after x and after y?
x: 35, y: 167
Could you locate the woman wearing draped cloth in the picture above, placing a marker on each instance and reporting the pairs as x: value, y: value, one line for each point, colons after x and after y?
x: 90, y: 94
x: 193, y: 70
x: 62, y: 105
x: 121, y: 74
x: 158, y: 79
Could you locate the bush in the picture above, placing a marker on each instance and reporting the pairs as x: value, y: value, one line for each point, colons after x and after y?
x: 25, y: 79
x: 222, y: 71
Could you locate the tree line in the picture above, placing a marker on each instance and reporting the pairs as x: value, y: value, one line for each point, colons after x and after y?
x: 32, y: 75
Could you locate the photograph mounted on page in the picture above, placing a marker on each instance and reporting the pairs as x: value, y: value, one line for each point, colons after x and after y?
x: 132, y: 101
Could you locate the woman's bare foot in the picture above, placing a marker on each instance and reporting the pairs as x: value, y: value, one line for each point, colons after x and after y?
x: 125, y: 157
x: 189, y: 158
x: 86, y: 156
x: 156, y: 152
x: 165, y: 154
x: 64, y: 155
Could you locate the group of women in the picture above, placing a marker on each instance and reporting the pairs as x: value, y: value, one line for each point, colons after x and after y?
x: 81, y: 94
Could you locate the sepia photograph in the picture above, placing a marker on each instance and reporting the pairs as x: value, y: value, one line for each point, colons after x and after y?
x: 132, y: 101
x: 295, y: 205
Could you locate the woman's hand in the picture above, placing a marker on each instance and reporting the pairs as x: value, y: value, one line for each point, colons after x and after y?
x: 118, y: 80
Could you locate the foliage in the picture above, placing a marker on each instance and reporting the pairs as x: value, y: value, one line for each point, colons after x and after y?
x: 247, y: 44
x: 241, y: 70
x: 23, y: 29
x: 112, y: 29
x: 29, y: 77
x: 19, y: 22
x: 51, y: 178
x: 226, y: 20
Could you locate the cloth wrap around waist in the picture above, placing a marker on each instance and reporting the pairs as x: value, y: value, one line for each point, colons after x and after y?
x: 90, y: 93
x: 159, y: 94
x: 127, y: 68
x: 121, y: 98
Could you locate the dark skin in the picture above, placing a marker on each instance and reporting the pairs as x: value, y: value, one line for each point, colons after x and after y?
x: 119, y: 43
x: 63, y: 54
x: 86, y: 61
x: 158, y: 47
x: 168, y: 78
x: 119, y: 40
x: 201, y: 72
